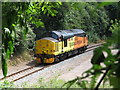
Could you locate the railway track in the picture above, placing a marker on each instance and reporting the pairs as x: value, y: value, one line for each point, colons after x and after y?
x: 33, y: 69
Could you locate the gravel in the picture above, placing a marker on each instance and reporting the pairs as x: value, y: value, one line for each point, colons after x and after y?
x: 65, y: 70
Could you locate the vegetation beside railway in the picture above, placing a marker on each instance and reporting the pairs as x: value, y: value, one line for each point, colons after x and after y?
x: 21, y: 21
x: 105, y: 69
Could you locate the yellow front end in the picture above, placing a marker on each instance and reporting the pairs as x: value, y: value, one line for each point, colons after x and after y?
x: 45, y: 50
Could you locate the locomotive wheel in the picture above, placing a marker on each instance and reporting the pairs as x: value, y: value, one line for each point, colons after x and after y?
x: 83, y: 51
x: 79, y: 51
x: 56, y: 60
x: 75, y: 52
x: 84, y: 48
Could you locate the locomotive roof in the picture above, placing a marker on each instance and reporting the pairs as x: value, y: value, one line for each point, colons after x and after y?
x: 51, y: 39
x: 68, y: 33
x: 77, y: 31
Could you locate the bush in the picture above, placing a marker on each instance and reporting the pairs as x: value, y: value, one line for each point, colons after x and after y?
x: 24, y: 42
x: 6, y: 84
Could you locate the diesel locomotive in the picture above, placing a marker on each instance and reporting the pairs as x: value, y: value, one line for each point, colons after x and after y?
x: 60, y: 44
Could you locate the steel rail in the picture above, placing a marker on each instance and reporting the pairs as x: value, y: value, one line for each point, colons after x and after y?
x: 19, y: 72
x: 31, y: 73
x: 88, y: 49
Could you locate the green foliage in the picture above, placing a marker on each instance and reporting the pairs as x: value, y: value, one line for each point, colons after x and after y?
x: 6, y: 84
x: 52, y: 83
x: 111, y: 63
x: 10, y: 18
x: 70, y: 83
x: 91, y: 17
x: 80, y: 15
x: 43, y: 83
x: 83, y: 84
x: 22, y: 44
x: 21, y: 15
x: 92, y: 36
x: 113, y: 10
x: 107, y: 66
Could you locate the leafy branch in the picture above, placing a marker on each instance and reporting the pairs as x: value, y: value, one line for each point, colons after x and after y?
x: 108, y: 66
x: 21, y: 14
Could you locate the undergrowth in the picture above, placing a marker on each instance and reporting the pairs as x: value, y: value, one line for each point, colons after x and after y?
x: 6, y: 84
x: 20, y: 57
x: 52, y: 83
x: 58, y: 83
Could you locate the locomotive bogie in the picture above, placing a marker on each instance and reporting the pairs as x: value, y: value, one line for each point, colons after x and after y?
x: 48, y: 60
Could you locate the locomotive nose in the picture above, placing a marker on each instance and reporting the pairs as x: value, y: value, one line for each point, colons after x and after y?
x: 44, y: 50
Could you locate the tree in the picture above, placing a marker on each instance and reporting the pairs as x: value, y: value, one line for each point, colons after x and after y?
x: 108, y: 67
x: 22, y: 14
x: 82, y: 15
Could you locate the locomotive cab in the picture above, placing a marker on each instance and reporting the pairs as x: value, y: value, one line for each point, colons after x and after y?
x: 45, y: 49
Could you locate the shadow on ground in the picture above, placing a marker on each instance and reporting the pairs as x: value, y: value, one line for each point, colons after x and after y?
x: 31, y: 63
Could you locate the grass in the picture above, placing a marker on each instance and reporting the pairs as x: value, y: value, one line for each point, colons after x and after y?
x: 6, y: 84
x: 52, y: 83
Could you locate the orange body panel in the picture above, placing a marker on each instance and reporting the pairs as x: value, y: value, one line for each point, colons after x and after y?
x: 86, y: 41
x: 50, y: 60
x: 80, y: 42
